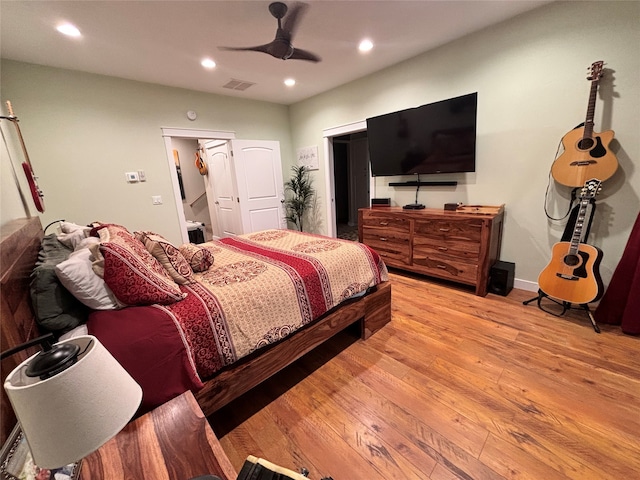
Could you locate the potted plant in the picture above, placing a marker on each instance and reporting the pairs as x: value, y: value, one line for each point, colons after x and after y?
x: 301, y: 195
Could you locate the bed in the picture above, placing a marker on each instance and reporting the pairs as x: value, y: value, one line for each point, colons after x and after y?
x: 289, y: 266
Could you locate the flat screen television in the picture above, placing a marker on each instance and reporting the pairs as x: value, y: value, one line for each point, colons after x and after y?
x: 438, y: 137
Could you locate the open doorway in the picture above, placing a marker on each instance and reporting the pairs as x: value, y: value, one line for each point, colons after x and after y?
x: 192, y: 190
x: 357, y: 189
x: 175, y: 136
x: 351, y: 181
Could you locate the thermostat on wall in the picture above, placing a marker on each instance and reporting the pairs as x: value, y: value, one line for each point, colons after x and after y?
x: 192, y: 115
x: 132, y: 177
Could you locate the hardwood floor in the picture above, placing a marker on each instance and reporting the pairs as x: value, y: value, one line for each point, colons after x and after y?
x: 455, y: 387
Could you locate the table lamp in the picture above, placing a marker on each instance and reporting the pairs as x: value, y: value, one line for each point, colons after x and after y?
x: 70, y: 399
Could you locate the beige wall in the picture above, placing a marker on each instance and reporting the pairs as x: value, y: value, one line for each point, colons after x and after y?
x: 84, y: 131
x: 530, y: 75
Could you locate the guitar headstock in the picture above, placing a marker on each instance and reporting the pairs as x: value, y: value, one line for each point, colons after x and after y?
x: 595, y: 71
x: 590, y: 189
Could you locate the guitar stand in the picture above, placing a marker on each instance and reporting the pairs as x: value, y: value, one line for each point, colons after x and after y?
x: 566, y: 306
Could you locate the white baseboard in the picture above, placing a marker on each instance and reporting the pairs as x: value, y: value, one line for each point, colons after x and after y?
x: 527, y: 285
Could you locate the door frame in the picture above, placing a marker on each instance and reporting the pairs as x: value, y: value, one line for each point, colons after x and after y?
x: 193, y: 133
x: 329, y: 171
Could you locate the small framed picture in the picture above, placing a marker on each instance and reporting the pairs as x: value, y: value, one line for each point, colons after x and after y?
x: 308, y: 156
x: 16, y: 462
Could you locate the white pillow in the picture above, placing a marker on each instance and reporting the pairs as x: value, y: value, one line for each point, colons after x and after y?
x: 77, y: 275
x: 72, y: 234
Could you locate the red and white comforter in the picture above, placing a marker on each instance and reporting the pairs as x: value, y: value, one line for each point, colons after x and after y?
x: 261, y: 287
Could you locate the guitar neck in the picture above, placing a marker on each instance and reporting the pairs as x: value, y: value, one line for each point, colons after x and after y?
x: 577, y: 229
x: 591, y: 110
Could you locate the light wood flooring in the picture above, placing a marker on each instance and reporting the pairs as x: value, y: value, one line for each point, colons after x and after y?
x: 455, y: 387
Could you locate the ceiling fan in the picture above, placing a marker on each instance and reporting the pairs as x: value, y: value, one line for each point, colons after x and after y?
x: 281, y: 47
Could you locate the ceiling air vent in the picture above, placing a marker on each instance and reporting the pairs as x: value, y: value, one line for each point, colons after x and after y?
x: 234, y: 84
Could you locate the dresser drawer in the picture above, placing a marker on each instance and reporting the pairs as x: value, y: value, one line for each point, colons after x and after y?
x: 451, y: 248
x: 449, y: 230
x: 445, y: 267
x: 391, y: 245
x: 385, y: 220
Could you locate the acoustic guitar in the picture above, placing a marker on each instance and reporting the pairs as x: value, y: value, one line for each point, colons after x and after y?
x: 201, y: 165
x: 36, y: 192
x: 586, y: 153
x: 573, y: 273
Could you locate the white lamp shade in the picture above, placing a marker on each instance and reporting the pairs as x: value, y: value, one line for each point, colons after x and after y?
x: 73, y: 413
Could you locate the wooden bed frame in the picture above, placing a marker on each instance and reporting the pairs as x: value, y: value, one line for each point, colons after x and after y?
x: 19, y: 246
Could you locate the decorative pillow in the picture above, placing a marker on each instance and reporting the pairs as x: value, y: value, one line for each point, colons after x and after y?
x: 168, y: 256
x: 55, y: 308
x: 198, y: 257
x: 132, y: 273
x: 77, y: 275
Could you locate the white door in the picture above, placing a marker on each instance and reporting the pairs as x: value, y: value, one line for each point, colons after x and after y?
x: 258, y: 172
x: 221, y: 192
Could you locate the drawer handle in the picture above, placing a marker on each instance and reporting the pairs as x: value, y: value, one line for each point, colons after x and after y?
x: 383, y: 239
x: 443, y: 249
x: 442, y: 267
x: 384, y: 223
x: 444, y: 229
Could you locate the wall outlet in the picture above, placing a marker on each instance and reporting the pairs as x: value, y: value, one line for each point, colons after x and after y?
x: 132, y: 177
x: 156, y: 199
x: 142, y: 175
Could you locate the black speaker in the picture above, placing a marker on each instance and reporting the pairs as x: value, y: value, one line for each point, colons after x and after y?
x: 380, y: 202
x: 501, y: 278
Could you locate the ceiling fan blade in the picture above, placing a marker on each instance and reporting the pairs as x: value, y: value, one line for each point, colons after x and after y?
x: 294, y: 15
x: 258, y: 48
x: 299, y: 54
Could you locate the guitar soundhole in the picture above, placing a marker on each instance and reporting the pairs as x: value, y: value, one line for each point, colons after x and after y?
x: 571, y: 260
x: 586, y: 143
x: 578, y: 262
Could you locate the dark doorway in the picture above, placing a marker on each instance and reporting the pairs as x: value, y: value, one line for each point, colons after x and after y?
x: 351, y: 181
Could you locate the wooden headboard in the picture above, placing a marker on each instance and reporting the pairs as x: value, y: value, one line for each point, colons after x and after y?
x: 19, y: 245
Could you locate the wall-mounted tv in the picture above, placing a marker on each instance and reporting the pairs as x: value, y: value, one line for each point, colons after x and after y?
x: 438, y: 137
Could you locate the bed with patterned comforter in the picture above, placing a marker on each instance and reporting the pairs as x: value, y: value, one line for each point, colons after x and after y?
x: 261, y: 288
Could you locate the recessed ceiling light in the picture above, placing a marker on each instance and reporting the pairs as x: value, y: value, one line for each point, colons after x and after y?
x: 289, y: 82
x: 365, y: 45
x: 208, y: 63
x: 68, y: 29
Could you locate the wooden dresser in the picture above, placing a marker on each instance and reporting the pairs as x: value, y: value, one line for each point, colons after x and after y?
x: 454, y: 245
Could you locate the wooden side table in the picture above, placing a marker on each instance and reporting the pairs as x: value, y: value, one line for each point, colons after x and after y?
x: 173, y: 442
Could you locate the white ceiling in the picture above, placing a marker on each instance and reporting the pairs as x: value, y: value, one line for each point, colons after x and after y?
x: 163, y: 42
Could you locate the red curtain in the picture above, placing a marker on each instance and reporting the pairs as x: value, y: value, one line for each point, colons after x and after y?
x: 620, y: 304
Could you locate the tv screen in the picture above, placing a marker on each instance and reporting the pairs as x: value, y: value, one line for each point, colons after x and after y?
x: 438, y: 137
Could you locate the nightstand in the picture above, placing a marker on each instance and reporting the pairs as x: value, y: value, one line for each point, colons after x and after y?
x: 172, y: 442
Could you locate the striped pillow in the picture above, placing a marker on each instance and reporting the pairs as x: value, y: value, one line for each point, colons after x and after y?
x: 168, y: 256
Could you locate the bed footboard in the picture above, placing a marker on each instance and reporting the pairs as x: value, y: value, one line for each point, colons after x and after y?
x: 373, y: 311
x: 377, y: 310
